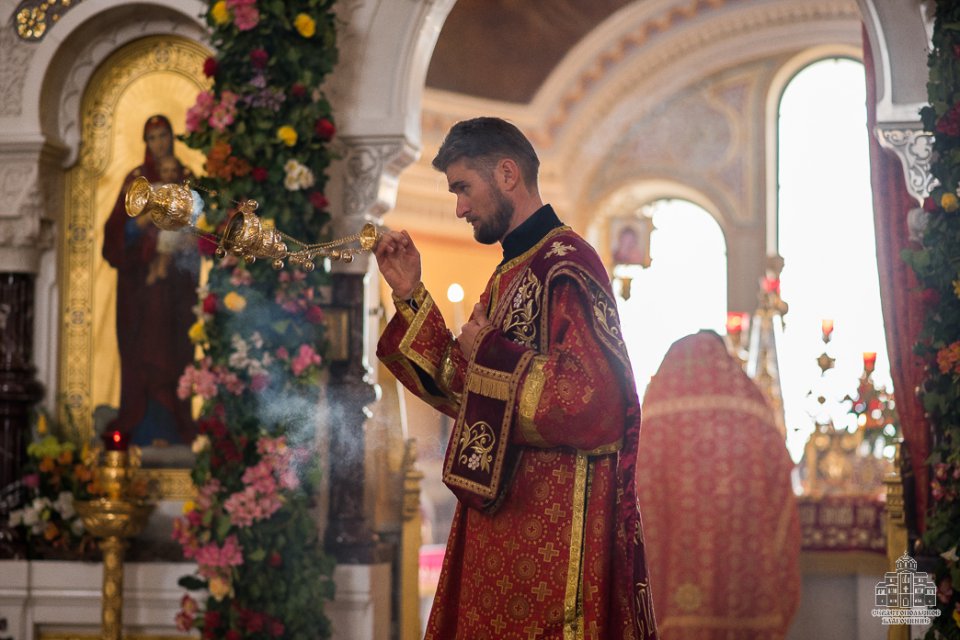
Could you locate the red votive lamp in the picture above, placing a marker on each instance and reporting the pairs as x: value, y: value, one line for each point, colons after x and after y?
x: 826, y: 325
x: 771, y: 285
x: 869, y: 361
x: 116, y: 440
x: 735, y: 322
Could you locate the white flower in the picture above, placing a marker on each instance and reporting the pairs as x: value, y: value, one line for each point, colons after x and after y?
x: 64, y: 505
x: 474, y: 461
x: 256, y: 340
x: 16, y: 518
x: 239, y: 358
x: 950, y: 555
x: 201, y: 443
x: 76, y: 527
x: 297, y: 176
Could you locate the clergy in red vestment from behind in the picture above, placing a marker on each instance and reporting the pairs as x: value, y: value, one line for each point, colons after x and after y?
x: 721, y: 518
x: 546, y: 541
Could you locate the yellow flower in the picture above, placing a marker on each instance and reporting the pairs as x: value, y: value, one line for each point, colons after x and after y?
x: 305, y: 25
x: 287, y: 135
x: 189, y: 506
x: 219, y: 12
x: 203, y: 224
x: 200, y: 444
x: 42, y: 424
x: 956, y: 288
x: 197, y: 332
x: 234, y: 301
x: 219, y: 588
x: 956, y: 617
x: 949, y: 202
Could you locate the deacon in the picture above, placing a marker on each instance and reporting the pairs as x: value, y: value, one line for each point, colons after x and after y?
x: 546, y: 541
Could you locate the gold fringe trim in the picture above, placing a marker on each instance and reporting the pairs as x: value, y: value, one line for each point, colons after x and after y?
x: 488, y: 387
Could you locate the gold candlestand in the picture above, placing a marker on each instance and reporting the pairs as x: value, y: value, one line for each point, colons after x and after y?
x: 112, y: 519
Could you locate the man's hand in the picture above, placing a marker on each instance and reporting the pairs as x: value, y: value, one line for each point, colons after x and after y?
x: 399, y: 262
x: 468, y: 334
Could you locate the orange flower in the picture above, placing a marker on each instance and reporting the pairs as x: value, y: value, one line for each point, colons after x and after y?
x: 82, y: 472
x: 948, y: 357
x: 220, y: 164
x: 50, y: 532
x: 66, y: 457
x: 94, y: 488
x: 47, y: 465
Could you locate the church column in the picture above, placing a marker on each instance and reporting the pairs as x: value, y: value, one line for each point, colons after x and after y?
x: 368, y: 166
x: 25, y: 233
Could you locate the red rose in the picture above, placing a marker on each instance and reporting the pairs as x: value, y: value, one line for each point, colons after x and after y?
x: 211, y: 620
x: 275, y: 560
x: 233, y: 634
x: 210, y: 67
x: 259, y: 174
x: 318, y: 200
x: 298, y: 90
x: 259, y: 58
x: 314, y: 315
x: 206, y: 246
x: 276, y: 628
x: 930, y: 297
x: 324, y: 129
x: 929, y: 205
x: 210, y: 303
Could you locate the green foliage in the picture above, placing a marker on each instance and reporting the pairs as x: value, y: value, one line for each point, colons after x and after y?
x: 937, y: 266
x: 265, y: 128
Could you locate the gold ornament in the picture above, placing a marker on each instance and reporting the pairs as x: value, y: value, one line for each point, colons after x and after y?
x: 172, y: 207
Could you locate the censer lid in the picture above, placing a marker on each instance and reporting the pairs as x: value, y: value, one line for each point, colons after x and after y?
x: 138, y: 195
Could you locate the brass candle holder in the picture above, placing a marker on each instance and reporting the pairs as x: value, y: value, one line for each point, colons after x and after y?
x: 113, y: 518
x: 173, y: 207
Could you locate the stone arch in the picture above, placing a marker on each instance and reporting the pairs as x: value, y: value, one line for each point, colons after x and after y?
x: 83, y: 39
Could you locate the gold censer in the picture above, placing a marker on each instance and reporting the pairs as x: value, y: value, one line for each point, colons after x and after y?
x: 172, y: 207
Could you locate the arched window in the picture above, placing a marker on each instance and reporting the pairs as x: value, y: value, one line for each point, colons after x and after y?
x: 826, y: 237
x: 684, y: 289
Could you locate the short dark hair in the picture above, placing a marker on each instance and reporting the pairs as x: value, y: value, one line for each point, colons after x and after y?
x: 486, y: 141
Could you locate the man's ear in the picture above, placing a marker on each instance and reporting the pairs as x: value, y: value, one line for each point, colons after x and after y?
x: 509, y: 173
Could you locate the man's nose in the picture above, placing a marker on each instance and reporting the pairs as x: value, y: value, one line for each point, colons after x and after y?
x: 462, y: 207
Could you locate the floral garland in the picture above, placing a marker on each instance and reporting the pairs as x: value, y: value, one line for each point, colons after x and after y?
x: 937, y: 266
x: 265, y: 128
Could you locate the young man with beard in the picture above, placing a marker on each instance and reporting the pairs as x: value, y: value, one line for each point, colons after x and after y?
x: 546, y: 541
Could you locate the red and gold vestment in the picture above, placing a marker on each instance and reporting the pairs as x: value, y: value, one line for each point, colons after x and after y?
x: 722, y: 523
x: 546, y: 541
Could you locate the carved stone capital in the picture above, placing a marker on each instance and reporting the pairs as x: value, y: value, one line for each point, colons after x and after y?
x: 371, y: 169
x: 29, y: 195
x: 914, y: 147
x: 369, y: 173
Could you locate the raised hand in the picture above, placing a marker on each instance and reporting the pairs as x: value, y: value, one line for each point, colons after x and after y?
x: 399, y: 262
x: 468, y: 334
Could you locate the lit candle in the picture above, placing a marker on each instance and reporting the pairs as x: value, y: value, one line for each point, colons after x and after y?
x: 116, y: 440
x: 827, y: 326
x: 735, y: 322
x: 869, y: 360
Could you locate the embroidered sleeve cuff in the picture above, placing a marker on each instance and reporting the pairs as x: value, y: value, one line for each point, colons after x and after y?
x: 408, y: 307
